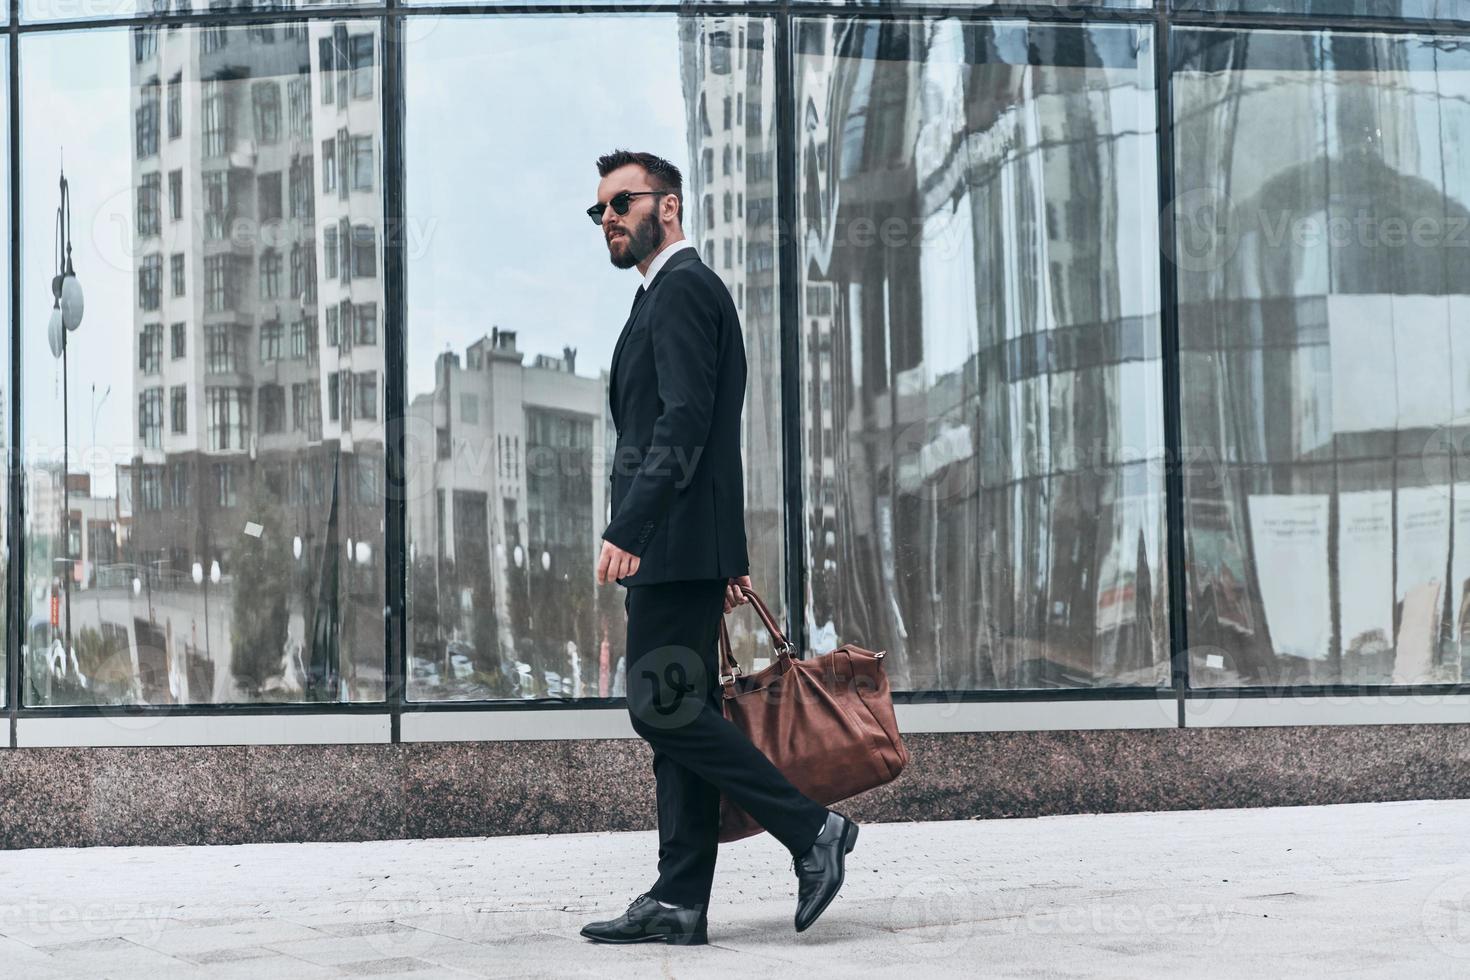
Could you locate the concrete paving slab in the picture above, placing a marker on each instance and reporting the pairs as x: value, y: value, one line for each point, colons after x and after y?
x: 1363, y: 890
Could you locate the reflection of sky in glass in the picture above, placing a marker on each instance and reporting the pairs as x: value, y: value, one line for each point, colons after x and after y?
x: 496, y: 199
x: 75, y: 101
x: 56, y: 11
x: 495, y: 230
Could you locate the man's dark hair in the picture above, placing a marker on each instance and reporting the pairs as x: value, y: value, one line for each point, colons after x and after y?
x: 662, y: 174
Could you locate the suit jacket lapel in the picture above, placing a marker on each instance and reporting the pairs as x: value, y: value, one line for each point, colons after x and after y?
x: 683, y: 255
x: 612, y: 378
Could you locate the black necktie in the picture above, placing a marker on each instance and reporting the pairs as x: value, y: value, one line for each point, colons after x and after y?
x: 637, y: 298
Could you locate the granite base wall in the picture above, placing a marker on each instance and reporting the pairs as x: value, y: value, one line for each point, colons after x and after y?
x: 75, y: 797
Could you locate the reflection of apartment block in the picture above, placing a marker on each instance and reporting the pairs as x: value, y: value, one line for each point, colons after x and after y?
x: 506, y: 463
x: 831, y: 407
x: 258, y: 299
x: 961, y: 331
x: 247, y: 141
x: 346, y: 114
x: 94, y: 528
x: 730, y: 216
x: 43, y: 496
x: 95, y: 531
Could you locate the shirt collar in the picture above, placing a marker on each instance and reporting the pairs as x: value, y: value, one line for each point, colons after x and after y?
x: 662, y: 257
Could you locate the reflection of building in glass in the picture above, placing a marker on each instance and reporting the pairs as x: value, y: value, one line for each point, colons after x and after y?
x: 730, y: 216
x: 1322, y: 372
x: 981, y: 355
x: 505, y: 508
x: 258, y: 365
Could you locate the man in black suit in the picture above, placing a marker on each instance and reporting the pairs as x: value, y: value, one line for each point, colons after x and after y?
x: 677, y: 542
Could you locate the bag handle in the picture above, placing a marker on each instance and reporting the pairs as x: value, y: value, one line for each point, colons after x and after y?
x: 729, y: 667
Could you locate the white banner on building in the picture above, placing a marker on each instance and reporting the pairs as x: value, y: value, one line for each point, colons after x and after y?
x: 1365, y: 567
x: 1289, y: 533
x: 1424, y: 537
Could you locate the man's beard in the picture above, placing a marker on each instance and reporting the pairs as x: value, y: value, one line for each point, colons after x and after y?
x: 642, y: 241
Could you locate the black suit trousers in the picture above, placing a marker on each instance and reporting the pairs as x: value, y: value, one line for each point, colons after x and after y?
x: 674, y: 700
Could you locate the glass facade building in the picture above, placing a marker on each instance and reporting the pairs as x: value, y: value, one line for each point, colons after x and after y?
x: 1096, y: 353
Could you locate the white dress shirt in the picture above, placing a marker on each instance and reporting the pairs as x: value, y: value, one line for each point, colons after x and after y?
x: 662, y: 257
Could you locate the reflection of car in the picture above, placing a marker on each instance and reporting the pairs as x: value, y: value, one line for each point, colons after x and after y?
x: 523, y: 680
x: 553, y: 683
x: 461, y: 659
x: 116, y: 576
x: 425, y: 671
x: 41, y: 631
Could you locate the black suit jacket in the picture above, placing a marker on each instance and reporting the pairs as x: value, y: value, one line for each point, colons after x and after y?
x: 677, y: 389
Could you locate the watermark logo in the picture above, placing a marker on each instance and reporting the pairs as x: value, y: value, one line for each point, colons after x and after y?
x: 1446, y: 454
x: 1445, y: 917
x: 1198, y: 230
x: 668, y: 687
x: 939, y: 917
x: 381, y: 916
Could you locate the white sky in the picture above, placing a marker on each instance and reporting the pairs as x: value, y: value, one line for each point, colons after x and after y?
x: 505, y: 121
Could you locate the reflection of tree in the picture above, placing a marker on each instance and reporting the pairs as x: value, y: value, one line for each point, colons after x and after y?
x: 424, y: 611
x: 323, y: 640
x: 485, y: 636
x: 449, y: 611
x: 104, y: 661
x: 517, y: 588
x: 578, y: 600
x: 262, y: 579
x: 39, y: 550
x: 610, y: 627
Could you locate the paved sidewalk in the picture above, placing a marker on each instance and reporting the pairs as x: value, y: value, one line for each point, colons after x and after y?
x: 1369, y: 890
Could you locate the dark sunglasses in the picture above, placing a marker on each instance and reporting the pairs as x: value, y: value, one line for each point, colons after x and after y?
x: 621, y: 202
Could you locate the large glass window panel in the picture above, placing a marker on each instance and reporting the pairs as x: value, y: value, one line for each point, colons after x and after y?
x: 148, y: 38
x: 514, y: 311
x: 5, y: 394
x: 1324, y: 280
x: 1014, y: 5
x: 562, y: 6
x: 1070, y: 4
x: 1385, y: 9
x: 185, y: 545
x: 981, y: 389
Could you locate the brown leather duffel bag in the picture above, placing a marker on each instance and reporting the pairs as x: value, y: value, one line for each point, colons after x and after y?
x: 827, y: 723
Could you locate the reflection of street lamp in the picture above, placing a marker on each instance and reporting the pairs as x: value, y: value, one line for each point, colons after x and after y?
x: 553, y: 624
x: 301, y: 550
x: 524, y: 558
x: 66, y: 316
x: 147, y: 581
x: 198, y: 575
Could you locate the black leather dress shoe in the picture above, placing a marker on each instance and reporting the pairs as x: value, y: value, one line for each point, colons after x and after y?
x: 819, y: 871
x: 647, y: 921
